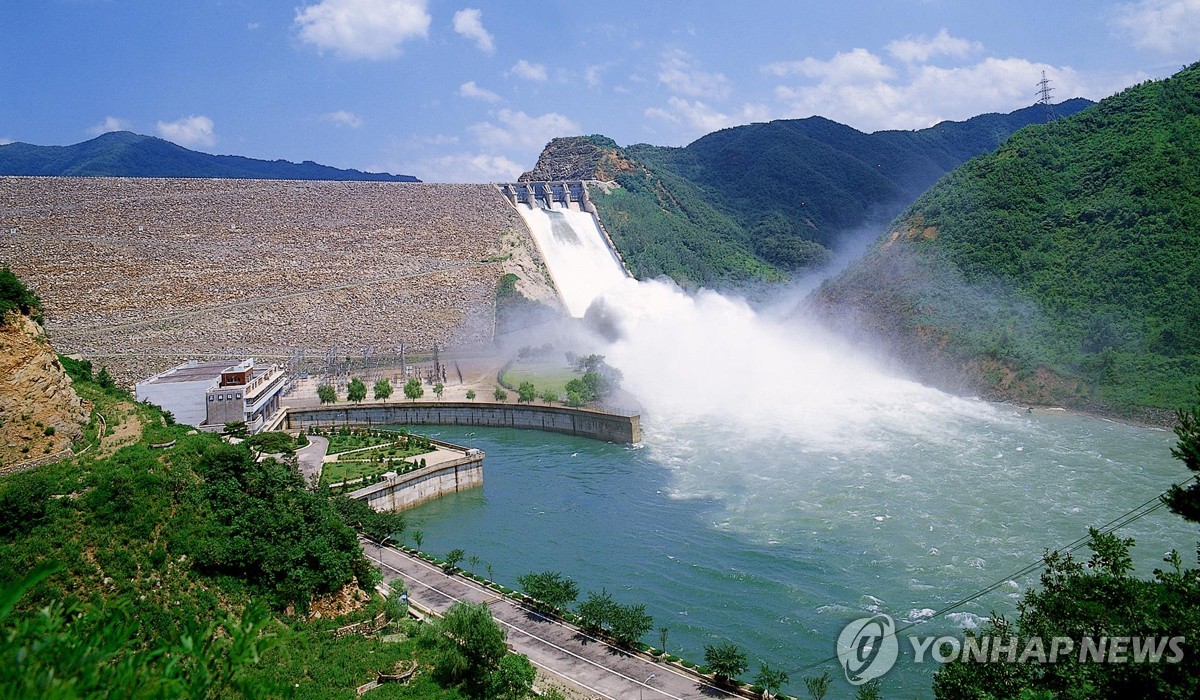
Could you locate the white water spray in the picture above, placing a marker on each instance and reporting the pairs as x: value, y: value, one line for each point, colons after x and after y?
x: 576, y: 252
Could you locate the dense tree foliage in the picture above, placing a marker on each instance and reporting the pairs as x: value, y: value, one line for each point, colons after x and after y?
x: 413, y: 389
x: 356, y: 390
x: 15, y: 296
x: 726, y: 660
x: 760, y: 200
x: 1072, y: 248
x: 154, y: 567
x: 550, y: 588
x: 468, y: 651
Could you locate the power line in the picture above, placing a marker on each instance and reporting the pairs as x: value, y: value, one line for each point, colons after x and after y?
x: 1116, y: 523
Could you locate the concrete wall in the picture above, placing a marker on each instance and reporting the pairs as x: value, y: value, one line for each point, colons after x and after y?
x: 597, y: 425
x: 185, y: 400
x: 407, y: 490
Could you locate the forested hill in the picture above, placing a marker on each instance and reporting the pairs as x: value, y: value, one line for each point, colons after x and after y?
x: 125, y: 154
x: 764, y: 200
x: 1062, y: 268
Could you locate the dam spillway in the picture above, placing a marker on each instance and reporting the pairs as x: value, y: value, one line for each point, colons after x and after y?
x: 578, y: 254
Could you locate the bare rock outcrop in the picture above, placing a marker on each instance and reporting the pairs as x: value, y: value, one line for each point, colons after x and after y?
x: 40, y: 413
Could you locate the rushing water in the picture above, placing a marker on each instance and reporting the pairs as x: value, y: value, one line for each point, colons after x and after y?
x: 777, y: 546
x: 787, y: 485
x: 576, y: 253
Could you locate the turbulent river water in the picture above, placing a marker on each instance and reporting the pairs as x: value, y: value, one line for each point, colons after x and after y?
x: 777, y: 546
x: 786, y: 486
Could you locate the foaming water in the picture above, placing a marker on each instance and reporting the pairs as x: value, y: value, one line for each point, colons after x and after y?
x: 576, y: 252
x: 786, y: 485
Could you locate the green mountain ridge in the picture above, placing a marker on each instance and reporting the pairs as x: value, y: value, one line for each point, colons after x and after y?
x: 126, y: 154
x: 1060, y: 269
x: 763, y: 200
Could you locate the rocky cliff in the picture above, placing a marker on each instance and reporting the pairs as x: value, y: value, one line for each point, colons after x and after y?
x: 579, y: 158
x: 40, y: 414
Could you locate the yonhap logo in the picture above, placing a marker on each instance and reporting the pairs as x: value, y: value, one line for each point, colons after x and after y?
x: 867, y: 648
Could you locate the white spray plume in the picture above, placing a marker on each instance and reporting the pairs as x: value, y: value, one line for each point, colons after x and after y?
x: 711, y: 359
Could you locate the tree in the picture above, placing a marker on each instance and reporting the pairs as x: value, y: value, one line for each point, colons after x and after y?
x: 770, y: 679
x: 418, y: 538
x: 356, y: 391
x: 726, y: 660
x: 327, y: 394
x: 550, y: 588
x: 236, y: 429
x: 662, y: 638
x: 383, y: 390
x: 596, y: 611
x: 549, y: 396
x: 817, y: 686
x: 872, y: 690
x: 500, y: 394
x: 467, y: 645
x: 453, y: 557
x: 438, y: 389
x: 470, y: 394
x: 629, y: 623
x: 512, y: 679
x: 526, y: 392
x: 1185, y: 502
x: 413, y: 389
x: 104, y: 379
x: 272, y: 443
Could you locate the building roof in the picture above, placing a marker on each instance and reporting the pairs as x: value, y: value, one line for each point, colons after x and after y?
x: 192, y: 371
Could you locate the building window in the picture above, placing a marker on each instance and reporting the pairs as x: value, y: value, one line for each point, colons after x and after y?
x: 211, y: 397
x: 237, y: 395
x: 220, y: 397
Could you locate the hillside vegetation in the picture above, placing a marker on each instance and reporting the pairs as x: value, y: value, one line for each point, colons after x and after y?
x: 125, y: 154
x: 764, y: 200
x: 1062, y: 268
x: 137, y: 572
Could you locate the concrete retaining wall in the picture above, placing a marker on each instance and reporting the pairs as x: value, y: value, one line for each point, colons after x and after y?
x: 598, y: 425
x: 407, y: 490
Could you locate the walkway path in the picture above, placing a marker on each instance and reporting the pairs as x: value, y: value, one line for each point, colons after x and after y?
x: 311, y: 457
x: 581, y: 660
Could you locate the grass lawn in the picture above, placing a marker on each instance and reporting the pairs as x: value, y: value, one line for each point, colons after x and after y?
x: 544, y: 375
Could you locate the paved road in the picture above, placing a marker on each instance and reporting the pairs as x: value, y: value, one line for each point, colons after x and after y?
x: 565, y: 651
x: 310, y: 457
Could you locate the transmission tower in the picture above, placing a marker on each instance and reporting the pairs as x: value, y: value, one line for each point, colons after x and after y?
x: 1043, y: 94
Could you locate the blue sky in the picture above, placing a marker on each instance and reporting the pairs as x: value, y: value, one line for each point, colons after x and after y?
x: 471, y: 91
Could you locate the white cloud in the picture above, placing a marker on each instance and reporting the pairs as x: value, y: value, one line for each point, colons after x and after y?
x: 469, y: 23
x: 343, y: 118
x: 681, y: 76
x: 700, y: 118
x: 855, y: 66
x: 109, y: 124
x: 592, y: 75
x: 517, y: 129
x: 529, y: 71
x: 920, y: 49
x: 929, y: 94
x: 195, y: 130
x: 902, y: 88
x: 469, y: 167
x: 1169, y: 27
x: 473, y: 91
x: 370, y: 29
